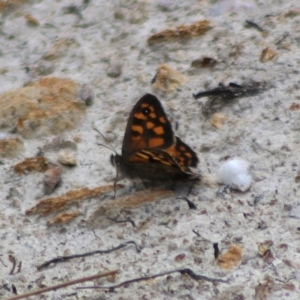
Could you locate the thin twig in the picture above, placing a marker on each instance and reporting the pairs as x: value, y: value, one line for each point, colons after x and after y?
x: 181, y: 271
x: 96, y: 235
x: 216, y: 250
x: 63, y: 285
x: 250, y: 23
x: 66, y: 258
x: 189, y: 202
x: 19, y: 267
x: 197, y: 233
x: 123, y: 221
x: 12, y: 259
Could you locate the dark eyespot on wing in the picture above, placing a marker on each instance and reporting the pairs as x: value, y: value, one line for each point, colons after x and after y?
x: 140, y: 132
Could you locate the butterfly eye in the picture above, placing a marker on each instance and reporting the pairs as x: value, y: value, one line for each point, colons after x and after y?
x: 146, y: 111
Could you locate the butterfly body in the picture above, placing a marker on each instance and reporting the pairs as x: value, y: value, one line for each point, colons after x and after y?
x: 150, y: 149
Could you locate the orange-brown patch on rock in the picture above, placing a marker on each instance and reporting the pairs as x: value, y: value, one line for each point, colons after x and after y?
x: 10, y: 148
x: 113, y: 207
x: 31, y: 20
x: 267, y: 54
x: 46, y: 107
x: 231, y: 258
x: 49, y: 205
x: 10, y: 4
x: 168, y: 79
x: 64, y: 217
x: 32, y: 164
x: 180, y: 32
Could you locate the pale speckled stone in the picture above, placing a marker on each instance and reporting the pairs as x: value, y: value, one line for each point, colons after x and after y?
x: 67, y: 158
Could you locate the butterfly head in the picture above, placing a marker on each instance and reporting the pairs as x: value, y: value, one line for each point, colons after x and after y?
x: 115, y: 160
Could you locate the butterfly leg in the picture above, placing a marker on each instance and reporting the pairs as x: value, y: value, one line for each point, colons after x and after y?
x: 144, y: 183
x: 223, y: 190
x: 189, y: 202
x: 123, y: 221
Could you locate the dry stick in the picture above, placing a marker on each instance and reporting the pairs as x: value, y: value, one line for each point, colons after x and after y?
x: 216, y: 250
x: 12, y: 259
x: 19, y: 267
x: 62, y: 285
x: 123, y: 221
x: 66, y: 258
x: 189, y: 202
x: 181, y: 271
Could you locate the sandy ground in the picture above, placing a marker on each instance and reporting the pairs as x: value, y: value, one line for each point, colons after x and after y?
x: 107, y: 49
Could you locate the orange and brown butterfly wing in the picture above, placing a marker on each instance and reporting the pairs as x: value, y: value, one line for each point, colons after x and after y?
x: 150, y: 149
x: 183, y: 155
x: 148, y: 127
x: 157, y: 164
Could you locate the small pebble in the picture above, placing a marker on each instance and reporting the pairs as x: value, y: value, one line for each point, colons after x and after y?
x: 114, y: 70
x: 234, y: 172
x: 180, y: 257
x: 52, y: 179
x: 86, y: 94
x: 67, y: 158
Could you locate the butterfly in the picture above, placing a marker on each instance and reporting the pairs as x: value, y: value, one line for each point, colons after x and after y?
x: 150, y: 149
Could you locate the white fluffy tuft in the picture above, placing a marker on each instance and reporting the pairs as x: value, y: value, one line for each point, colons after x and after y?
x: 234, y: 173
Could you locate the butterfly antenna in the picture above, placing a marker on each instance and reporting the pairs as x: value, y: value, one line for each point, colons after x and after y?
x: 110, y: 147
x: 107, y: 147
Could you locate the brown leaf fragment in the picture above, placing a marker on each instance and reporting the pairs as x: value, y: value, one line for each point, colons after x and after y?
x: 264, y: 290
x: 180, y: 32
x: 267, y: 54
x: 291, y: 13
x: 31, y: 20
x: 10, y: 4
x: 289, y: 287
x: 231, y: 258
x: 295, y: 106
x: 204, y: 62
x: 264, y: 247
x: 36, y: 164
x: 49, y: 205
x: 264, y: 250
x: 168, y: 79
x: 289, y: 263
x: 130, y: 201
x: 64, y: 217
